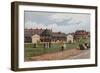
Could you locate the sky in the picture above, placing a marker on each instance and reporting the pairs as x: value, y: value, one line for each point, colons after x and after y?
x: 57, y: 21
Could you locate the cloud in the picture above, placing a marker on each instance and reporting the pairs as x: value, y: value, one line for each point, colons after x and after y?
x: 63, y: 22
x: 59, y: 17
x: 70, y: 18
x: 34, y: 25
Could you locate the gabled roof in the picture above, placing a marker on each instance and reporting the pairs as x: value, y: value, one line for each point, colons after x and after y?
x: 58, y: 34
x: 35, y: 35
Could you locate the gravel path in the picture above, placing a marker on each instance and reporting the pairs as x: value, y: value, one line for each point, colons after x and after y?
x: 66, y: 54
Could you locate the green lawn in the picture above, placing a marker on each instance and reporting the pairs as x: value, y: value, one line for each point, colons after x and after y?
x: 39, y: 50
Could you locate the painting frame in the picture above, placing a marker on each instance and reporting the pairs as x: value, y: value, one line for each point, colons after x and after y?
x: 15, y: 33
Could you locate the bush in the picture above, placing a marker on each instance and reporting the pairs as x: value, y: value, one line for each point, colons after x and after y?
x: 81, y: 47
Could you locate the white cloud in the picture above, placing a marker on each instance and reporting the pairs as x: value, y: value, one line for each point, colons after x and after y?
x: 77, y: 22
x: 70, y: 18
x: 58, y: 17
x: 34, y: 25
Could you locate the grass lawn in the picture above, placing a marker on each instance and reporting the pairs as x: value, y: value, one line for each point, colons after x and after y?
x: 39, y: 50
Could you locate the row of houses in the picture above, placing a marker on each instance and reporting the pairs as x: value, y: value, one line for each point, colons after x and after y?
x: 47, y: 35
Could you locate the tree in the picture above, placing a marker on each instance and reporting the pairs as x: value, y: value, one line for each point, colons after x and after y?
x: 81, y: 43
x: 46, y: 37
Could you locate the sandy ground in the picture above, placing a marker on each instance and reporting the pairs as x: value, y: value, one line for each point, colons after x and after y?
x: 66, y: 54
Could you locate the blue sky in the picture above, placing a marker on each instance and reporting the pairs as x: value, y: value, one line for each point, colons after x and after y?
x: 58, y: 22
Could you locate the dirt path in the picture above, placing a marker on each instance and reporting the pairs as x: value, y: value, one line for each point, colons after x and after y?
x: 84, y: 55
x: 67, y: 54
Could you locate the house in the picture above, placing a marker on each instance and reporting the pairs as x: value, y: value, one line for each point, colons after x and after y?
x: 58, y: 37
x: 81, y: 33
x: 44, y: 35
x: 27, y: 35
x: 47, y: 35
x: 70, y: 38
x: 35, y: 38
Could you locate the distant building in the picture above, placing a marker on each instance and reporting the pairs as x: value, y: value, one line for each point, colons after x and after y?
x: 70, y: 38
x: 46, y: 35
x: 28, y: 33
x: 37, y: 31
x: 58, y: 37
x: 81, y: 33
x: 35, y: 38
